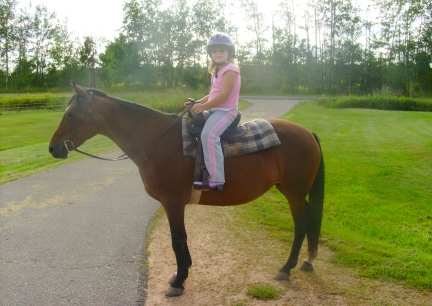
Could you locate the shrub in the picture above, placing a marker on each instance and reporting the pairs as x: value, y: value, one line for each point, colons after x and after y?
x: 379, y: 102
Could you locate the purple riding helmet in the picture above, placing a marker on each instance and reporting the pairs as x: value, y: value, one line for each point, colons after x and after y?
x: 220, y: 39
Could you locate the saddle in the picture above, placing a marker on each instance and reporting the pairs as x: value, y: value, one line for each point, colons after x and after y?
x: 197, y: 121
x: 195, y: 126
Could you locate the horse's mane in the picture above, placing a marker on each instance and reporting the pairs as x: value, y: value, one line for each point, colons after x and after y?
x: 127, y: 104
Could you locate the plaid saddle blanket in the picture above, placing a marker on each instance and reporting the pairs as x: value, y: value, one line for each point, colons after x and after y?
x: 260, y: 135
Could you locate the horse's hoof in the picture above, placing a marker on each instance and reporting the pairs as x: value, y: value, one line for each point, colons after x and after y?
x: 172, y: 292
x: 172, y: 279
x: 281, y: 276
x: 306, y: 266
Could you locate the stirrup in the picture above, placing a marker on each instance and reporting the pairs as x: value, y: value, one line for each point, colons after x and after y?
x: 210, y: 186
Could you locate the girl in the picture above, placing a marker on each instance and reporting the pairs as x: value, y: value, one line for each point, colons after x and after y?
x: 222, y: 103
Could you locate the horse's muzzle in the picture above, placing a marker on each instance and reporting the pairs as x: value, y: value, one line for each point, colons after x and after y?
x: 58, y: 150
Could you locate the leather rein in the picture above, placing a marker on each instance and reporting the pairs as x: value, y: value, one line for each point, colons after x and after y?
x: 123, y: 156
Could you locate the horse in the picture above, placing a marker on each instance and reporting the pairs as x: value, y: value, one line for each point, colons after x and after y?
x: 153, y: 141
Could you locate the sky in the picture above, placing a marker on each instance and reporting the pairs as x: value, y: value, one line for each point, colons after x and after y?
x: 102, y: 19
x: 97, y: 18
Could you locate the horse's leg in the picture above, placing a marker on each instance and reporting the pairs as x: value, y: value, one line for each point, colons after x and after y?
x: 315, y: 212
x: 188, y: 260
x: 299, y: 213
x: 312, y: 238
x: 175, y: 216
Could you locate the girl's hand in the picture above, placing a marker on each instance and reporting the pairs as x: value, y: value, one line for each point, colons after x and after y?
x: 198, y: 108
x: 187, y: 104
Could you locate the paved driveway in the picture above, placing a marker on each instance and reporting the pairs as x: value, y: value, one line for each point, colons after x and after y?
x: 76, y: 235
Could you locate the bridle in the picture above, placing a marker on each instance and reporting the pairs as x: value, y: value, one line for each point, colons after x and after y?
x: 123, y: 156
x: 67, y: 142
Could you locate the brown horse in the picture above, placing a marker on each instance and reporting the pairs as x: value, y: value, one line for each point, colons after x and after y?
x: 153, y: 141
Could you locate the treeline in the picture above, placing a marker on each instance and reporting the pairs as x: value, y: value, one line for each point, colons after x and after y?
x: 313, y: 47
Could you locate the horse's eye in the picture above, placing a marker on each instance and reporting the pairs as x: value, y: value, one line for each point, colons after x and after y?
x: 70, y: 114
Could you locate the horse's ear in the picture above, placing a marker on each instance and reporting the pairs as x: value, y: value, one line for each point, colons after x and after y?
x: 78, y: 89
x: 74, y: 86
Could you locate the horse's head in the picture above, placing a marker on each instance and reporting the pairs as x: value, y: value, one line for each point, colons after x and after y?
x: 76, y: 126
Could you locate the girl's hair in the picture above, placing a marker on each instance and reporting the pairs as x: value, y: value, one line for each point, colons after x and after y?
x: 213, y: 67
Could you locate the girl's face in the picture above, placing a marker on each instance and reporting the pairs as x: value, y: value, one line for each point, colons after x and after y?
x: 219, y: 54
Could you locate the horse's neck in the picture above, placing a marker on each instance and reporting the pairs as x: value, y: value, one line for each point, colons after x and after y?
x: 132, y: 127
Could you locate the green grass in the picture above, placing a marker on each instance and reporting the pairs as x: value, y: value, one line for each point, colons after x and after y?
x: 24, y: 139
x: 377, y: 214
x: 263, y: 292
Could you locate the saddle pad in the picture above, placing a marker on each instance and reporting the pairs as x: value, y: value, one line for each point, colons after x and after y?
x: 260, y: 136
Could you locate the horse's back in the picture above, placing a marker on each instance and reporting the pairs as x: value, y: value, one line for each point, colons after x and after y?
x: 292, y: 163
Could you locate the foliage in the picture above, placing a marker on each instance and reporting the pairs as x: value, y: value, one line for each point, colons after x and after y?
x: 46, y: 100
x: 316, y: 47
x: 377, y: 215
x: 379, y: 102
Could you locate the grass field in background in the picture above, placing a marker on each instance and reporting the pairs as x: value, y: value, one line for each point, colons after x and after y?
x: 377, y: 211
x: 25, y: 136
x: 167, y: 101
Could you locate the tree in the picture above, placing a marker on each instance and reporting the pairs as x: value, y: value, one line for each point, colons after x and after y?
x: 405, y: 25
x: 120, y: 63
x: 7, y: 35
x: 286, y: 48
x: 256, y: 25
x: 174, y: 42
x: 24, y: 32
x: 42, y: 40
x: 140, y: 25
x: 88, y: 59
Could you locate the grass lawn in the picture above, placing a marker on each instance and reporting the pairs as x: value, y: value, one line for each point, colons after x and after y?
x: 377, y: 213
x: 24, y: 139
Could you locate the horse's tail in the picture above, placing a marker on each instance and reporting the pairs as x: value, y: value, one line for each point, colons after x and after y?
x: 316, y: 198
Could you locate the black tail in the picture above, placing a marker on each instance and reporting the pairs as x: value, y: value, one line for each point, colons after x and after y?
x: 316, y: 198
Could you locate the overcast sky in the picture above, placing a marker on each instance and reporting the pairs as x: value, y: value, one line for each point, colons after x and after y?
x: 99, y: 18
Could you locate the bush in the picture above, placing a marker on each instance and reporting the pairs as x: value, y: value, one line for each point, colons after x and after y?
x: 379, y: 102
x: 26, y: 101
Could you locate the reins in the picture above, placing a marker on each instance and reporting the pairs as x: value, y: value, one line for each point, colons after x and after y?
x: 123, y: 156
x: 192, y: 101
